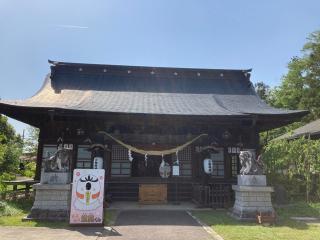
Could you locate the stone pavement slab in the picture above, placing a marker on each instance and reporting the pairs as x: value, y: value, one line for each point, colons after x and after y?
x: 130, y: 205
x: 44, y: 233
x: 157, y: 225
x: 130, y: 224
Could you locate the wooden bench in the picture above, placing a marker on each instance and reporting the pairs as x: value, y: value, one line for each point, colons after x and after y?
x: 15, y: 191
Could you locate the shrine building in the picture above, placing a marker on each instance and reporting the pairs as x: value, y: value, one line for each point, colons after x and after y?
x: 147, y: 120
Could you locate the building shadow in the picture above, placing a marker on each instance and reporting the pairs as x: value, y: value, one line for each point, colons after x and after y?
x: 155, y: 217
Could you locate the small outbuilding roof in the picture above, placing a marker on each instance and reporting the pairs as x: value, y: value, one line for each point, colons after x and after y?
x: 311, y: 129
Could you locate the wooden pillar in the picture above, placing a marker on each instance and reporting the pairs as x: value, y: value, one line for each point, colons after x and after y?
x: 107, y: 162
x: 39, y: 156
x: 194, y: 162
x: 227, y: 164
x: 254, y: 138
x: 74, y: 158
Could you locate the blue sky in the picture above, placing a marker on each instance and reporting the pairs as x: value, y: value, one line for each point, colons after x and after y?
x: 262, y: 35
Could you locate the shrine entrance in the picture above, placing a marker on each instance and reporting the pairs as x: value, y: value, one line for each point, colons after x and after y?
x: 147, y: 166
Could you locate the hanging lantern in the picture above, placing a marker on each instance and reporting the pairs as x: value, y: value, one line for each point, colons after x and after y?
x: 164, y: 169
x: 208, y: 166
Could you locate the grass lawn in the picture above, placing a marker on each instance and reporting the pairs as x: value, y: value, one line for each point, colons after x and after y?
x: 11, y: 214
x: 284, y: 229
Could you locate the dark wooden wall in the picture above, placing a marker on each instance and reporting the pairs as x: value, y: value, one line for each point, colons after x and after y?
x: 150, y: 132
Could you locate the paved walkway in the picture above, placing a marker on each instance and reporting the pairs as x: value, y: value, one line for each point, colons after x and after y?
x: 130, y: 224
x: 126, y: 205
x: 44, y: 233
x: 157, y: 225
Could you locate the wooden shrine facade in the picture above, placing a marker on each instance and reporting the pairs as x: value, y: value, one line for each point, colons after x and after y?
x: 150, y: 108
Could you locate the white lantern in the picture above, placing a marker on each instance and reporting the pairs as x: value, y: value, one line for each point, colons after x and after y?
x: 164, y: 169
x: 208, y: 166
x: 98, y: 163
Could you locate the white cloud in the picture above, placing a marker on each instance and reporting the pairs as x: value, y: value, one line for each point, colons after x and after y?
x: 72, y: 26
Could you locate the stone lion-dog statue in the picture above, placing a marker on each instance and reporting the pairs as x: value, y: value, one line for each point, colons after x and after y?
x: 250, y: 165
x: 60, y: 161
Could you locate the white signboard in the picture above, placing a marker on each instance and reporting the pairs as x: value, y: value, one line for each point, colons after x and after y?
x: 87, y: 196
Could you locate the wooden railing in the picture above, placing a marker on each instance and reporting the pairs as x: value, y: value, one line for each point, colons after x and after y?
x: 24, y: 191
x: 128, y: 190
x: 213, y: 195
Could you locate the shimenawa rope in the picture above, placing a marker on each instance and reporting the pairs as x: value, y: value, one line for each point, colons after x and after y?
x: 153, y: 152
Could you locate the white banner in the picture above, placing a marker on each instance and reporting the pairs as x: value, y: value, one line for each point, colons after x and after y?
x: 175, y: 170
x: 87, y: 196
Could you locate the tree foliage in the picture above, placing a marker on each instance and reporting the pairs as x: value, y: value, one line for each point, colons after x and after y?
x: 263, y: 90
x: 295, y: 160
x: 31, y: 141
x: 30, y: 148
x: 296, y: 163
x: 300, y: 87
x: 7, y: 132
x: 10, y: 147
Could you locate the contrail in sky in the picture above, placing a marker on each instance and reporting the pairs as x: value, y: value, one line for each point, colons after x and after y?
x: 72, y: 26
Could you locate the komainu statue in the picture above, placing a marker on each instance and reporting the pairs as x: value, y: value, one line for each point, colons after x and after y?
x: 250, y: 165
x: 59, y: 162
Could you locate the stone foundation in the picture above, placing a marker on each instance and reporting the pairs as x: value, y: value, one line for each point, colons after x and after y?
x: 251, y: 197
x: 52, y: 202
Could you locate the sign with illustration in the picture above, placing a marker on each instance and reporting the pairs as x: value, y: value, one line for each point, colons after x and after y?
x: 87, y: 196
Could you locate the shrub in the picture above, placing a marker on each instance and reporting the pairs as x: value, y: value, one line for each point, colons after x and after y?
x: 7, y: 209
x: 295, y: 164
x: 5, y: 177
x: 29, y: 170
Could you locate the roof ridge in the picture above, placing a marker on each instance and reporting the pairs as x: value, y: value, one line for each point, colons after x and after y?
x: 58, y: 63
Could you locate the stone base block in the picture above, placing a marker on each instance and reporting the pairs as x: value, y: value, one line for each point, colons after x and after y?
x: 55, y: 177
x: 52, y: 202
x: 48, y: 215
x: 252, y: 180
x: 249, y: 200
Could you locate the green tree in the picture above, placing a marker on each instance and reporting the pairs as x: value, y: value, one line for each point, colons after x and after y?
x: 7, y: 132
x: 300, y: 87
x: 297, y: 162
x: 263, y: 90
x: 30, y: 148
x: 31, y: 141
x: 10, y: 147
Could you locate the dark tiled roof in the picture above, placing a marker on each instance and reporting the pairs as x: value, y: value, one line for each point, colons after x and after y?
x: 149, y: 90
x: 311, y: 129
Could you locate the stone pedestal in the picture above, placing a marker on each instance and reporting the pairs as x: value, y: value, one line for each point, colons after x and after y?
x: 251, y: 195
x: 55, y: 177
x: 252, y: 180
x: 52, y: 202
